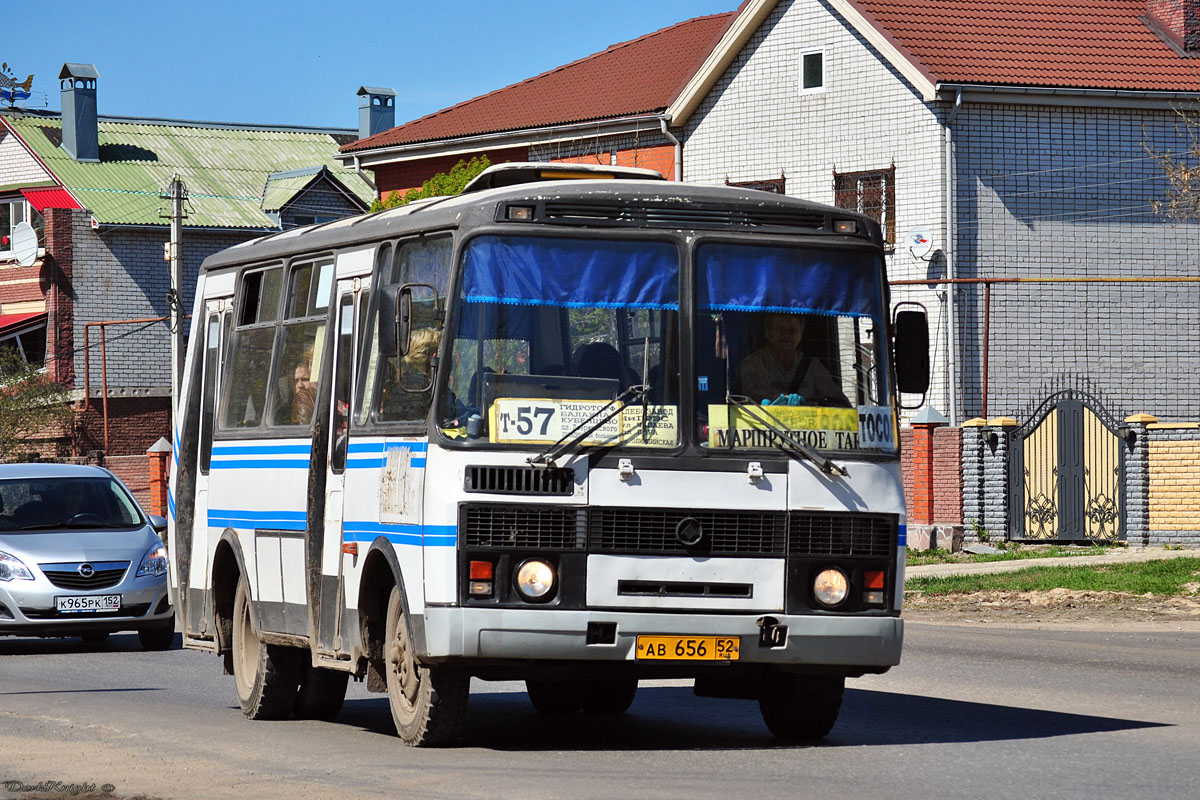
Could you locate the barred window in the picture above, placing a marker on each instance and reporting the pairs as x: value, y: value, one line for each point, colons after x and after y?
x: 871, y: 193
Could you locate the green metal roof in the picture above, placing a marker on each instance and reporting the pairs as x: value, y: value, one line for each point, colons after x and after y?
x: 225, y: 168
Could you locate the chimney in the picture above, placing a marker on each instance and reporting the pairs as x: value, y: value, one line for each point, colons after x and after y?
x: 376, y: 110
x: 1177, y: 21
x: 79, y: 136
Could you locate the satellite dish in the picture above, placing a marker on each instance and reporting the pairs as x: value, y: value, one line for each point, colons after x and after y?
x: 24, y: 244
x: 920, y: 241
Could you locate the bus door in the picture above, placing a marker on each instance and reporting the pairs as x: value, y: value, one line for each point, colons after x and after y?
x: 216, y: 324
x: 331, y: 583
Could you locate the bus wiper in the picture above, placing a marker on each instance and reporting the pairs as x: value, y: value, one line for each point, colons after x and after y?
x: 586, y: 428
x: 761, y: 414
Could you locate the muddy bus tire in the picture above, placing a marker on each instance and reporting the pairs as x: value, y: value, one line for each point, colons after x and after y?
x: 428, y: 702
x: 557, y: 698
x: 322, y: 693
x: 266, y: 675
x: 801, y: 706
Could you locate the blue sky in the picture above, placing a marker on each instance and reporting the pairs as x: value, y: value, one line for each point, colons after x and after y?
x: 300, y: 62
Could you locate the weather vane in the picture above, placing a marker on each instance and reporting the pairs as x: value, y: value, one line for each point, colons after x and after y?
x: 12, y: 90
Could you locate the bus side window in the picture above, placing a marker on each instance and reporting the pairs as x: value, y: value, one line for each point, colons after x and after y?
x: 344, y: 360
x: 245, y: 398
x: 212, y: 357
x: 301, y: 338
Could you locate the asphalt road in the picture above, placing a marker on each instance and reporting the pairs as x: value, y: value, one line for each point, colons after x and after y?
x: 975, y: 712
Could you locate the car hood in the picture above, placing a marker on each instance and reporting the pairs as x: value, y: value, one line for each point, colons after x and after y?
x: 78, y: 545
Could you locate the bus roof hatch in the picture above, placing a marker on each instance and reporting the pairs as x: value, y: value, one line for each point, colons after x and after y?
x: 513, y: 174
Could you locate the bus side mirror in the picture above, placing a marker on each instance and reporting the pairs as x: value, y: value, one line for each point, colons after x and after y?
x: 389, y: 321
x: 911, y: 351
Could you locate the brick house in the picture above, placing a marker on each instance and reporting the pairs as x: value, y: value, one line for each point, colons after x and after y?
x: 91, y: 186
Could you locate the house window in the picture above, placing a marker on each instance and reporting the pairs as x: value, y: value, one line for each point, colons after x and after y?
x: 13, y: 212
x: 812, y: 71
x: 869, y: 193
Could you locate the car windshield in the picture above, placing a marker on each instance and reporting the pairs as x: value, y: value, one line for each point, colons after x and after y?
x: 550, y: 330
x: 30, y: 504
x: 790, y: 338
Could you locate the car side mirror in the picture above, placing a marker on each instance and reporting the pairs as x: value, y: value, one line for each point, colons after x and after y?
x: 911, y: 351
x: 159, y: 524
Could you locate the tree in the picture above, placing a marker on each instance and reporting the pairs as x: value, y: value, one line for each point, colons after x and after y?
x: 440, y: 185
x: 1182, y: 171
x: 32, y: 406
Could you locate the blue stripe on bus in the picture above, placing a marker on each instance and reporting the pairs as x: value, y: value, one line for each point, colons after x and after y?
x: 279, y: 520
x: 380, y: 447
x: 171, y: 503
x: 378, y: 463
x: 903, y: 539
x: 261, y: 449
x: 266, y: 463
x: 429, y: 535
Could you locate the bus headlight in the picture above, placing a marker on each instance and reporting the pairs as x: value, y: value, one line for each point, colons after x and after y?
x: 831, y: 587
x: 535, y: 579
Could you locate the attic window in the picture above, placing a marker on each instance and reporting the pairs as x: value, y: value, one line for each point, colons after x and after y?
x: 812, y: 71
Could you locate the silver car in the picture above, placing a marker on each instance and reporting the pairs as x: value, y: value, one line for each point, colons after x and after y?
x: 79, y: 558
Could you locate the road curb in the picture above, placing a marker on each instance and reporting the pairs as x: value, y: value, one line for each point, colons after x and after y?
x: 1118, y: 556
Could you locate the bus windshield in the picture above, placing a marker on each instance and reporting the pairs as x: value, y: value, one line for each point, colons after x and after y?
x: 790, y: 338
x: 549, y: 330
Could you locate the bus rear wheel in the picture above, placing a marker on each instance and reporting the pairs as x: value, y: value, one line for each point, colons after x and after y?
x: 428, y: 702
x: 801, y: 706
x: 322, y: 693
x: 266, y: 675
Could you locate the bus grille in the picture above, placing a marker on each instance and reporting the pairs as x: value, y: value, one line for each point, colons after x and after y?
x: 520, y: 480
x: 646, y: 530
x: 659, y: 215
x: 523, y: 527
x: 840, y: 534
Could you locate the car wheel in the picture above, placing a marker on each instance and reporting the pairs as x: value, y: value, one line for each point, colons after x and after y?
x: 266, y: 675
x: 610, y: 697
x: 321, y: 694
x: 429, y: 703
x: 95, y: 637
x: 801, y: 706
x: 557, y: 698
x: 160, y: 637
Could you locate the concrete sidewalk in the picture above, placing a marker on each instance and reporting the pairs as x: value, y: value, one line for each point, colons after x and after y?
x: 1122, y: 555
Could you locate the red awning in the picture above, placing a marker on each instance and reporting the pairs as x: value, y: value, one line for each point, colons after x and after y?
x: 15, y: 323
x: 50, y: 197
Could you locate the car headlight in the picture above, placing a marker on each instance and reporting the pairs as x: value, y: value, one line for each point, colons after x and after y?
x: 535, y: 579
x: 154, y: 562
x: 831, y: 587
x: 12, y: 568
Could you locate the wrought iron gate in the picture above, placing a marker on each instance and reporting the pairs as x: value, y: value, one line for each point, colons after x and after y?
x: 1066, y: 470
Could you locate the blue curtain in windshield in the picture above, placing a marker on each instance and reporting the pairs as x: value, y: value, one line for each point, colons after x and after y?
x: 788, y: 280
x: 571, y: 273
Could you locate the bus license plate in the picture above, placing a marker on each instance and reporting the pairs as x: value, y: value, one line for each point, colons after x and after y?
x: 84, y: 604
x: 688, y: 648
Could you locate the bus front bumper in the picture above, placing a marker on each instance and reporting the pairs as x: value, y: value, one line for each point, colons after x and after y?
x: 869, y: 642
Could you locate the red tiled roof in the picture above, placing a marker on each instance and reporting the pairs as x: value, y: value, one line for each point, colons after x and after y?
x: 635, y: 77
x: 1092, y: 44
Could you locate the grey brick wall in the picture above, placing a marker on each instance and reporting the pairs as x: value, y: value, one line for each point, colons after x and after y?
x: 1058, y: 192
x: 119, y: 273
x: 320, y: 200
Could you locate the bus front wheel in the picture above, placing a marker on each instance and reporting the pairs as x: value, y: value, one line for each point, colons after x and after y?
x: 267, y: 676
x: 801, y: 706
x: 428, y: 702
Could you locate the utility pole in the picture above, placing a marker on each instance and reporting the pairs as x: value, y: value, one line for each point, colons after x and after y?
x: 176, y: 193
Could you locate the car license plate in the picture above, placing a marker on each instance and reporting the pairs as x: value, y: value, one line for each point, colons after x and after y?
x: 688, y: 648
x: 90, y: 603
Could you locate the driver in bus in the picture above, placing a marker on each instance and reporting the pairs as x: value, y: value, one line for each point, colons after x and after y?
x: 405, y: 390
x: 781, y: 368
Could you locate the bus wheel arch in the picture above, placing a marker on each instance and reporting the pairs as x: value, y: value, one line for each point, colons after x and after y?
x: 381, y: 571
x: 228, y: 566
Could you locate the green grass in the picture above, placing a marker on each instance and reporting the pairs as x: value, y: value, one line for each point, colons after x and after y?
x: 1013, y: 553
x: 1164, y: 578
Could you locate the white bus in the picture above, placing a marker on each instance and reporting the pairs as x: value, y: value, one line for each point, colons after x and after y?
x: 577, y: 428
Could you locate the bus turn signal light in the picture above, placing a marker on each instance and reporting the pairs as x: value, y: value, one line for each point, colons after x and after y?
x: 481, y: 573
x: 873, y: 588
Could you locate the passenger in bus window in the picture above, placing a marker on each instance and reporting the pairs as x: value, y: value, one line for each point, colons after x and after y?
x: 304, y: 393
x: 780, y: 368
